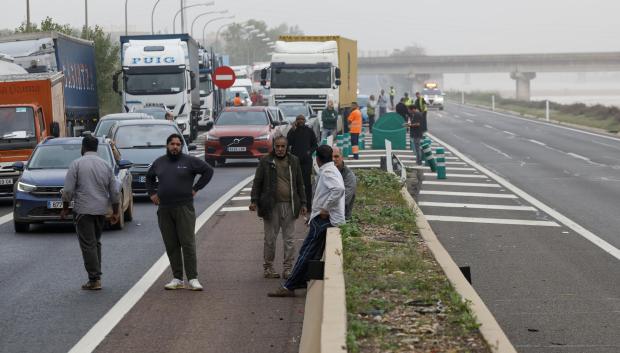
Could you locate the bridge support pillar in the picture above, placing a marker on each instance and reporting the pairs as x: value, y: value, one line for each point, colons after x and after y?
x: 523, y: 84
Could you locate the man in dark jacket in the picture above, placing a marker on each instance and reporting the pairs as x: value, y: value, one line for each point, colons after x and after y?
x: 349, y: 179
x: 329, y: 117
x: 278, y: 194
x: 303, y: 143
x: 422, y: 108
x: 401, y: 109
x: 174, y: 193
x: 415, y: 132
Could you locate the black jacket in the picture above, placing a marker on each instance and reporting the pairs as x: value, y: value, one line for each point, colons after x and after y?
x: 418, y: 131
x: 303, y: 143
x: 402, y: 110
x: 266, y: 183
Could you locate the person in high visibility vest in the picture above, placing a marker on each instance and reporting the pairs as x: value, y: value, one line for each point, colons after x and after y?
x: 355, y: 128
x: 237, y: 102
x: 408, y: 101
x: 420, y: 105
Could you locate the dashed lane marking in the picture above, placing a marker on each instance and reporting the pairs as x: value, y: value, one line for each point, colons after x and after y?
x: 235, y: 209
x: 246, y: 189
x: 476, y: 206
x: 455, y: 183
x: 468, y: 194
x: 241, y: 198
x: 509, y: 133
x: 538, y: 142
x: 523, y: 222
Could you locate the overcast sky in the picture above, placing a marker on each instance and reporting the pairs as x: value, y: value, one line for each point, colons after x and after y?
x: 441, y: 26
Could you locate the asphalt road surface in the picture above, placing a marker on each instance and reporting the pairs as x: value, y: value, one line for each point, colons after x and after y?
x: 551, y: 288
x: 42, y: 308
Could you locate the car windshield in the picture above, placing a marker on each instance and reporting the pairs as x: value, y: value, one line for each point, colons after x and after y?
x: 242, y: 118
x: 16, y: 123
x: 103, y: 127
x: 362, y: 101
x: 301, y: 77
x: 242, y: 93
x: 431, y: 92
x: 292, y: 110
x: 161, y: 83
x: 156, y: 113
x: 143, y: 135
x: 60, y: 156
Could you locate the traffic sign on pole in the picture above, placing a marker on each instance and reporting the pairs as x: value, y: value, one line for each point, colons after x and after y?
x: 224, y: 77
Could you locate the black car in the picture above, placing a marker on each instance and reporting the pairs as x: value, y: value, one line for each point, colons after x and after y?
x: 142, y: 142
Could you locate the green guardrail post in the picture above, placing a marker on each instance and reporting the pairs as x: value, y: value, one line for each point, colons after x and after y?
x: 441, y: 163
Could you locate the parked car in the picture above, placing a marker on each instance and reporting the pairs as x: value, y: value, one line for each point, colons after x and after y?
x: 278, y: 115
x: 105, y: 123
x: 142, y: 142
x: 293, y: 109
x: 240, y: 132
x: 156, y: 112
x: 37, y: 197
x: 362, y: 100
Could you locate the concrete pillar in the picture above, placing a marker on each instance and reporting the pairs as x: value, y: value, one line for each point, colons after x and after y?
x: 523, y: 84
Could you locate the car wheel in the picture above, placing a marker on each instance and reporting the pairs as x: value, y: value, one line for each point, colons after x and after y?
x: 121, y: 220
x: 221, y: 161
x: 128, y: 215
x: 21, y: 227
x: 211, y: 161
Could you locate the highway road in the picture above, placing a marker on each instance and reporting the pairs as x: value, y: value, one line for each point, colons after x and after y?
x: 534, y: 213
x: 42, y: 308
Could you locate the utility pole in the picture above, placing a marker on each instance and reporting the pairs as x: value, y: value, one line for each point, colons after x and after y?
x: 86, y: 15
x: 182, y: 17
x: 27, y: 15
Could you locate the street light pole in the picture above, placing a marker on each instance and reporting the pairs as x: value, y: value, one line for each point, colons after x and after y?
x: 126, y: 17
x: 86, y: 15
x: 27, y: 15
x: 212, y: 20
x: 203, y: 14
x: 182, y: 16
x: 174, y: 19
x: 152, y: 15
x: 217, y: 34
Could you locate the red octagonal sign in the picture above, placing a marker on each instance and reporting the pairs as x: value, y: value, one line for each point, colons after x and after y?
x: 224, y: 77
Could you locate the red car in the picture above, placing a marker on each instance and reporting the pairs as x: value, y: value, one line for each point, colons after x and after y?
x: 240, y: 133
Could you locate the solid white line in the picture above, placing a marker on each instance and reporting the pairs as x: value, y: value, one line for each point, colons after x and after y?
x: 241, y: 198
x: 509, y: 133
x: 476, y: 206
x: 578, y: 156
x: 468, y: 194
x: 461, y: 169
x: 522, y: 222
x: 104, y: 326
x: 456, y: 163
x: 235, y: 209
x: 6, y: 218
x: 538, y: 142
x: 362, y: 160
x: 454, y: 183
x: 364, y: 166
x: 596, y: 240
x: 459, y: 175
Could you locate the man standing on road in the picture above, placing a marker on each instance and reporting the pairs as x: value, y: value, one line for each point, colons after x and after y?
x: 382, y: 103
x: 91, y: 185
x: 278, y: 194
x: 420, y: 105
x: 401, y: 109
x: 327, y: 211
x: 392, y: 95
x: 329, y: 117
x: 371, y: 108
x: 170, y: 184
x: 350, y: 182
x: 303, y: 143
x: 415, y: 132
x: 355, y: 129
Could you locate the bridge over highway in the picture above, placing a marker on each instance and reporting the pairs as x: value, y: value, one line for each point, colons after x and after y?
x: 521, y: 67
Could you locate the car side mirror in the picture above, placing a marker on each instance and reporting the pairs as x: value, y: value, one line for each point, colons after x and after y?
x: 124, y: 164
x: 209, y: 125
x: 192, y: 147
x: 19, y: 166
x: 338, y: 82
x: 263, y: 75
x: 55, y: 127
x: 337, y: 73
x: 263, y: 83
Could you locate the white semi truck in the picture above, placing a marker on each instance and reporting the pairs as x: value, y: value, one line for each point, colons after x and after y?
x: 162, y: 69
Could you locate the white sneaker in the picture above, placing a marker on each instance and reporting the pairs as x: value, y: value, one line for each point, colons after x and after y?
x: 175, y: 284
x: 194, y: 284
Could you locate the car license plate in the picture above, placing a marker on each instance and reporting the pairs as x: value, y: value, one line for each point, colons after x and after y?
x: 57, y: 204
x: 8, y: 181
x: 236, y: 149
x: 142, y: 179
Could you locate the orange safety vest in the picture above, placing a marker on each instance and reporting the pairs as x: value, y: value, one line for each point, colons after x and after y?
x: 237, y: 101
x: 355, y: 122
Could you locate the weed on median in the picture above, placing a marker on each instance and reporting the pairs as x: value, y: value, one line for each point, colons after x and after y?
x: 398, y: 299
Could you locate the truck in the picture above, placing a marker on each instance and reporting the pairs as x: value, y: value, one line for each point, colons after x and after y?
x: 313, y: 69
x: 31, y: 109
x: 162, y: 68
x: 50, y: 52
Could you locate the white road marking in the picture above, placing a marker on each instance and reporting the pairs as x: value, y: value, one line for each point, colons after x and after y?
x: 468, y: 194
x: 497, y: 150
x: 476, y: 206
x: 450, y: 175
x: 458, y: 169
x: 456, y: 163
x: 246, y: 189
x: 509, y: 133
x: 6, y: 218
x: 469, y: 120
x: 199, y: 155
x: 241, y: 198
x: 457, y: 116
x: 489, y: 126
x: 575, y: 155
x: 104, y: 326
x: 362, y: 160
x: 364, y: 166
x: 538, y: 142
x: 235, y: 209
x: 468, y: 113
x: 522, y: 222
x: 593, y: 238
x: 454, y: 183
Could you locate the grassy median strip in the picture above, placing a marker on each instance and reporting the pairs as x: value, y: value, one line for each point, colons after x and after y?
x: 398, y: 298
x: 596, y: 116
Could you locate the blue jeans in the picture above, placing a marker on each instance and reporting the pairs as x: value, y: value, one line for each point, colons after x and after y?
x: 326, y: 133
x: 312, y: 249
x: 415, y: 146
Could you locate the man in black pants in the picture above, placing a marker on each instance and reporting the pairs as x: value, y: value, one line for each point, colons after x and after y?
x: 176, y: 216
x: 92, y: 195
x: 303, y: 143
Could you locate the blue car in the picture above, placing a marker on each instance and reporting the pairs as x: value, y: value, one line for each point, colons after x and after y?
x: 37, y: 196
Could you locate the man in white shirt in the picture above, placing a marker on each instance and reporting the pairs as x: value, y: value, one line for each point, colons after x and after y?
x: 327, y: 211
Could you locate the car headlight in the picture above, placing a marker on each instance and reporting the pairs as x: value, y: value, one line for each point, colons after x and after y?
x: 264, y: 137
x: 212, y: 138
x: 23, y: 187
